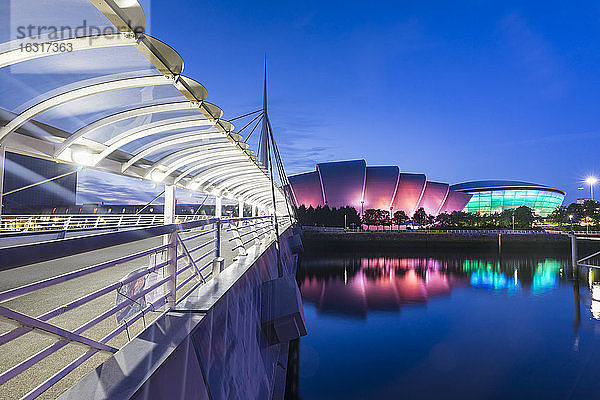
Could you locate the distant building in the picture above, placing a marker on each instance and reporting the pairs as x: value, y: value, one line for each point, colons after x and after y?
x: 21, y: 171
x: 582, y: 200
x: 497, y: 196
x: 352, y: 183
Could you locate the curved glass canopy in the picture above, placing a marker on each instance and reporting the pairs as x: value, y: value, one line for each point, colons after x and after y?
x: 114, y: 98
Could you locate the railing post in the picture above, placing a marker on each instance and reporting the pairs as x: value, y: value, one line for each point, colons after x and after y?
x: 171, y: 239
x: 2, y: 155
x: 237, y: 238
x: 218, y: 261
x: 573, y: 250
x: 218, y: 207
x: 218, y: 238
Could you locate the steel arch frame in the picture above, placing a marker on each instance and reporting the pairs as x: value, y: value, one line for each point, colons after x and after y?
x: 65, y: 97
x: 154, y: 128
x: 166, y: 142
x: 121, y: 116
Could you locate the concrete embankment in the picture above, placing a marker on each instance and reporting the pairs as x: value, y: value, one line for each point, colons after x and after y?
x: 443, y: 241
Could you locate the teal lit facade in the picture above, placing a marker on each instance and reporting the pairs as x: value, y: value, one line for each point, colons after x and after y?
x: 496, y: 196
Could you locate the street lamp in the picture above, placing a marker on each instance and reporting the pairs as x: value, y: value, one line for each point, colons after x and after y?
x: 591, y: 180
x: 571, y: 219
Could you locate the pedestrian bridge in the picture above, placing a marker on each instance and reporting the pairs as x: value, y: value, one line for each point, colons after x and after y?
x: 145, y: 305
x: 69, y: 305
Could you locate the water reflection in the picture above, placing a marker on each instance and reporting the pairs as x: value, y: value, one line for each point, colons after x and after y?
x: 355, y: 285
x: 519, y: 320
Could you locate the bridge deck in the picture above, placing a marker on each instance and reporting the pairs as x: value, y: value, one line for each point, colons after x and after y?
x: 41, y: 301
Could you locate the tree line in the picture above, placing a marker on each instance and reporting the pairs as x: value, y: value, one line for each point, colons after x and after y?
x: 523, y: 217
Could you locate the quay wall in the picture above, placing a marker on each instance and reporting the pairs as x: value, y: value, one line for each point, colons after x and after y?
x: 442, y: 241
x: 211, y: 346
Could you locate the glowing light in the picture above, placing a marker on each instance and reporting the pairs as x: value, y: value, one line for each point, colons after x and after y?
x: 157, y: 176
x: 591, y: 180
x: 82, y: 157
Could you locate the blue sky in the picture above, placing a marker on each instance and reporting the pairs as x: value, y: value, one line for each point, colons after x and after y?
x: 460, y: 90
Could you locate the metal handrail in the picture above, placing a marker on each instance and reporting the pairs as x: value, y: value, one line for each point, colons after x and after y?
x: 64, y: 247
x: 73, y: 222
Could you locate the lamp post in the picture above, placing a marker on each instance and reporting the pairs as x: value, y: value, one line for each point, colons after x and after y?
x: 571, y: 219
x: 591, y: 180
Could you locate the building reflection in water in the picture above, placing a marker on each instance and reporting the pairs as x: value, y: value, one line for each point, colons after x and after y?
x: 355, y: 286
x: 594, y: 286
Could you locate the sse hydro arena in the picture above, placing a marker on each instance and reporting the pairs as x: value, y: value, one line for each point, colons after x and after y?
x: 352, y: 183
x: 497, y: 196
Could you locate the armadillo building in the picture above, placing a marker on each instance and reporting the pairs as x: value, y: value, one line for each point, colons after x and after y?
x: 352, y: 183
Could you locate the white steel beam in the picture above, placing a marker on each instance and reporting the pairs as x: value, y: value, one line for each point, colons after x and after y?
x: 191, y: 138
x: 111, y: 119
x: 153, y: 128
x: 75, y: 94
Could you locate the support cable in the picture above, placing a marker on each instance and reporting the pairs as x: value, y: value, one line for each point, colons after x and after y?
x: 248, y: 124
x: 277, y: 242
x: 245, y: 115
x: 150, y: 202
x: 253, y: 129
x: 282, y: 176
x: 39, y: 183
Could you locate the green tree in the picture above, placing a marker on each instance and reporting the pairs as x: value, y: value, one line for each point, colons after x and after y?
x: 384, y: 218
x: 524, y: 217
x: 591, y: 214
x: 444, y: 220
x: 576, y: 210
x: 420, y: 217
x: 370, y: 217
x: 400, y: 217
x: 559, y: 216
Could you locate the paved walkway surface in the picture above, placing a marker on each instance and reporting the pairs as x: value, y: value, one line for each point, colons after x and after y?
x: 44, y: 300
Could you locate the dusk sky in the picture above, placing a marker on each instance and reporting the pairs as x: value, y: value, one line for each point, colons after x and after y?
x: 457, y: 90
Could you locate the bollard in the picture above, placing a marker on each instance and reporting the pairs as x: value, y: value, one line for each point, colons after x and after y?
x: 500, y: 243
x: 218, y: 266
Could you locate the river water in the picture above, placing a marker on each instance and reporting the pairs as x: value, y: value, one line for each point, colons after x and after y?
x: 383, y: 326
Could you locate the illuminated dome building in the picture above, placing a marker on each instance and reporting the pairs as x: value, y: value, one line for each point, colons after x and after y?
x: 496, y: 196
x: 352, y: 183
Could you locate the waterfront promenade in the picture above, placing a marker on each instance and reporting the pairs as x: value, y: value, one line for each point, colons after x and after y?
x: 481, y: 241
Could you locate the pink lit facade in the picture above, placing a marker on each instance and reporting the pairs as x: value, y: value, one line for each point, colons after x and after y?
x: 343, y: 183
x: 380, y: 187
x: 352, y: 183
x: 409, y: 193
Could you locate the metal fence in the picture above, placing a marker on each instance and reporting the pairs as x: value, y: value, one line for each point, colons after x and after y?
x: 74, y: 310
x: 66, y: 222
x: 462, y: 231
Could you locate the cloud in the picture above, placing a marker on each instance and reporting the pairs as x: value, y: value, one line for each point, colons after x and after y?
x: 96, y: 187
x: 302, y: 142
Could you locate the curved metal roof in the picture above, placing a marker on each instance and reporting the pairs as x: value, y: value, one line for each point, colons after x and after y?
x: 117, y: 101
x: 473, y: 186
